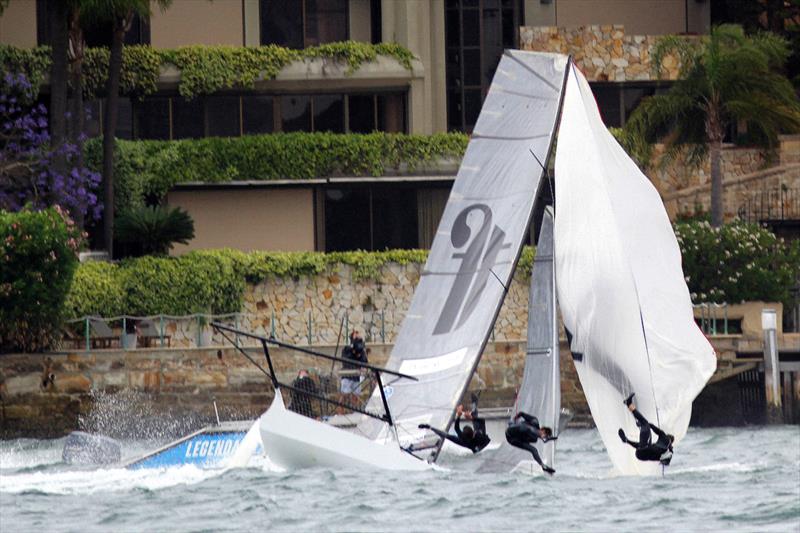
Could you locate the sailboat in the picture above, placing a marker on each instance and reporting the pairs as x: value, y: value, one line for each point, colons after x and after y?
x: 461, y: 288
x: 540, y: 391
x: 620, y: 285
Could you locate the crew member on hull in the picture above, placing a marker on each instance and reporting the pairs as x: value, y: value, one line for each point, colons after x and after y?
x: 473, y: 438
x: 646, y: 450
x: 523, y: 434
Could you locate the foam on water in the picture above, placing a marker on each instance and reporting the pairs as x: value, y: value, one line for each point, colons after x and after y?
x: 720, y: 479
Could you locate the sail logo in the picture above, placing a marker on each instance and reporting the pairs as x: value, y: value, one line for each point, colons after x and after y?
x: 479, y: 256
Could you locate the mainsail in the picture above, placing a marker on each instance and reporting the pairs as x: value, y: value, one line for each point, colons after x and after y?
x: 621, y: 288
x: 540, y: 391
x: 475, y: 249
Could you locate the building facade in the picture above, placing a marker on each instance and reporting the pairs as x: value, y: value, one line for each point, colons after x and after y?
x: 457, y: 44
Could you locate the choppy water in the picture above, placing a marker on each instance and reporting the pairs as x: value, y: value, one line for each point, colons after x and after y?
x: 720, y: 479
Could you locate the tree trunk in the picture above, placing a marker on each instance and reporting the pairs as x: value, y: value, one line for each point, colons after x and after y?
x: 109, y: 127
x: 58, y: 79
x: 717, y: 204
x: 76, y: 104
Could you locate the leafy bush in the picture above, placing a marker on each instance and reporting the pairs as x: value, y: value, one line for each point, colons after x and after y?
x: 737, y: 262
x: 37, y: 262
x: 151, y: 168
x: 204, y: 69
x: 96, y: 290
x: 154, y: 230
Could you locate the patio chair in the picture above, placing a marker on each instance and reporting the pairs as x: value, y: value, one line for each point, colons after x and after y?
x: 102, y: 335
x: 148, y: 332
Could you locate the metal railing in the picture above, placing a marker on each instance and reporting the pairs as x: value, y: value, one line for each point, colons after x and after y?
x: 132, y: 331
x: 713, y: 318
x: 780, y: 203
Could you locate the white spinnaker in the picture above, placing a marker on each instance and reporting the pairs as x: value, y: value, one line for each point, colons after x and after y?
x: 620, y: 285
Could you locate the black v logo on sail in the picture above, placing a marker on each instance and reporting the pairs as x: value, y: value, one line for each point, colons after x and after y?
x: 474, y: 271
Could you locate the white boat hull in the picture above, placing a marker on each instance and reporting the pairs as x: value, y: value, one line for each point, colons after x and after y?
x: 293, y: 441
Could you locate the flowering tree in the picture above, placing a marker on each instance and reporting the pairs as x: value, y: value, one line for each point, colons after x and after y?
x: 737, y: 262
x: 28, y: 173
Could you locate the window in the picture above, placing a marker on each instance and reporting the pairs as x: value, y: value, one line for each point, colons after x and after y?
x: 258, y: 114
x: 152, y: 118
x: 617, y: 101
x: 296, y: 113
x: 222, y: 116
x: 303, y: 23
x: 375, y: 217
x: 94, y: 33
x: 187, y: 118
x: 329, y: 113
x: 173, y: 117
x: 476, y: 32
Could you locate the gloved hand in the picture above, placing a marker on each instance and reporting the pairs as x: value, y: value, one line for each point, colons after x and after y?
x: 424, y: 426
x: 622, y: 436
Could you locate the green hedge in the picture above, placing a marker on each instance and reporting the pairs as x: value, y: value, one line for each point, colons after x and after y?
x: 209, y: 280
x: 204, y: 69
x: 151, y: 168
x: 37, y: 262
x: 737, y: 262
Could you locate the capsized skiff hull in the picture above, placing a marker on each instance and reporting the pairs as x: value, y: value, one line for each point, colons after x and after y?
x: 293, y: 441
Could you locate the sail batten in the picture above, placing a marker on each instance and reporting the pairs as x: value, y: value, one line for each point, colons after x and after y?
x: 475, y: 249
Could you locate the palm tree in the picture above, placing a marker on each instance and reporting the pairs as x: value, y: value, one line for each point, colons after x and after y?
x: 118, y: 14
x: 725, y: 78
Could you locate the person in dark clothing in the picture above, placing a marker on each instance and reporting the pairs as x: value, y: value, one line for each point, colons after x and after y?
x: 646, y: 449
x: 300, y: 402
x: 355, y: 351
x: 523, y: 434
x: 473, y: 438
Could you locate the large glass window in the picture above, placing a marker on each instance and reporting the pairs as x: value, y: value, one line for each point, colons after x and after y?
x: 222, y: 116
x: 187, y: 118
x: 303, y: 23
x: 373, y: 217
x: 258, y: 114
x: 296, y: 113
x: 153, y: 118
x: 173, y: 117
x: 329, y: 113
x: 476, y: 32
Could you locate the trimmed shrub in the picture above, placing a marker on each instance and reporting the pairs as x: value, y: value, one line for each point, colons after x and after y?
x: 214, y: 280
x: 204, y: 69
x: 737, y: 262
x: 96, y: 290
x: 37, y: 259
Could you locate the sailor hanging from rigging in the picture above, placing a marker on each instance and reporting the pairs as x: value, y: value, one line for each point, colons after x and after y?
x: 522, y: 434
x: 646, y: 450
x: 473, y: 438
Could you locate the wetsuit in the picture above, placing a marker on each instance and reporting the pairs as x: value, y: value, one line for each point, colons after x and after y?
x: 523, y: 434
x: 646, y: 450
x: 479, y: 439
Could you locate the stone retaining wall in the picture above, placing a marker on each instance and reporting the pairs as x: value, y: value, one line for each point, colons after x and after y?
x: 156, y: 393
x: 603, y: 53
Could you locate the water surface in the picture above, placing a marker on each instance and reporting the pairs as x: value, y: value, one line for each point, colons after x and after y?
x: 743, y: 479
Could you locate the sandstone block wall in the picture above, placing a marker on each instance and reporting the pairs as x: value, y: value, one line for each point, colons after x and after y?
x: 159, y: 393
x: 603, y: 53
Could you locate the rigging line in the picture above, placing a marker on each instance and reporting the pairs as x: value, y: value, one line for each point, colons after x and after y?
x: 505, y: 288
x: 546, y: 175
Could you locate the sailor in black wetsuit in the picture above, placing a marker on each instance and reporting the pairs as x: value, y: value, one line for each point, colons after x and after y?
x: 473, y: 438
x: 522, y: 434
x: 646, y: 450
